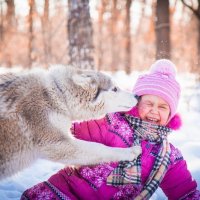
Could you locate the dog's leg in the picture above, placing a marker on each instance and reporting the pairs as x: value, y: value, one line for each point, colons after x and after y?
x: 79, y: 152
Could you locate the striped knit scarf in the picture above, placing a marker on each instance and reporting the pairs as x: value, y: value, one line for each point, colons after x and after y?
x: 128, y: 172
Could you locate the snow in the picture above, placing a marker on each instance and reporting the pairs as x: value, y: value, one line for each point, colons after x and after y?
x: 187, y: 139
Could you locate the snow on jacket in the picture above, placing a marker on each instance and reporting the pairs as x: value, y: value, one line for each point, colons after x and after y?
x: 89, y: 182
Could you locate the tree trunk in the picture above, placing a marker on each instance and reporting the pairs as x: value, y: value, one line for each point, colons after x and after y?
x: 1, y: 22
x: 10, y: 14
x: 1, y: 32
x: 31, y: 56
x: 46, y: 34
x: 9, y: 27
x: 80, y: 35
x: 198, y: 42
x: 128, y: 38
x: 196, y: 12
x: 100, y: 53
x: 114, y: 57
x: 162, y: 29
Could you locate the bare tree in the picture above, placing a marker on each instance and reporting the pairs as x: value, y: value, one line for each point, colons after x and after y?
x: 1, y: 29
x: 7, y: 31
x: 128, y: 37
x: 46, y: 32
x: 80, y: 35
x: 10, y: 14
x: 1, y: 21
x: 101, y: 12
x: 31, y: 53
x: 162, y: 29
x: 196, y: 12
x: 113, y: 32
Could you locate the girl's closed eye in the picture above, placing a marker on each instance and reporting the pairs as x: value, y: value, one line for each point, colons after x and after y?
x: 164, y: 107
x: 148, y: 103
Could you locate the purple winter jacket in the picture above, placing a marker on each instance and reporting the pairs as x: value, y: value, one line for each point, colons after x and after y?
x: 89, y: 182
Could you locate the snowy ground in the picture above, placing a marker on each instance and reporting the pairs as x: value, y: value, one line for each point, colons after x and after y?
x: 187, y: 140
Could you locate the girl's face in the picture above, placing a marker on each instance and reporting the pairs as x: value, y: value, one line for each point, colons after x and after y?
x: 154, y: 109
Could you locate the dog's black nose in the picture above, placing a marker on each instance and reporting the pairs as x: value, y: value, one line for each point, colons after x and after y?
x: 137, y: 97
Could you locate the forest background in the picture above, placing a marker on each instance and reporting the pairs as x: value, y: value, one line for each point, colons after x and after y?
x: 106, y: 35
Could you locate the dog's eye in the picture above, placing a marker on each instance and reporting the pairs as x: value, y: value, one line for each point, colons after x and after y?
x: 115, y: 89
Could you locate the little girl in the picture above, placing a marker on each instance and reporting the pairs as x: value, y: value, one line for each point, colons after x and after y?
x: 148, y: 124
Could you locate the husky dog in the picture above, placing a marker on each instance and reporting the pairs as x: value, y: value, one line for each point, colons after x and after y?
x: 38, y: 107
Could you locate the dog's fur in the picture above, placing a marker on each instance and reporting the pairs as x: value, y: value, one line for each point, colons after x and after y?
x: 36, y: 111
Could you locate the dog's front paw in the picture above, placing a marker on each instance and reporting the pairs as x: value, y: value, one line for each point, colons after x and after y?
x: 137, y: 150
x: 133, y: 152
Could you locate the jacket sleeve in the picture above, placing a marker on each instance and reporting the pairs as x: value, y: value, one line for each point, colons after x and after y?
x: 178, y: 182
x: 94, y: 130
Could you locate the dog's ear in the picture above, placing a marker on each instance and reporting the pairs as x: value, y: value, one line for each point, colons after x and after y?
x: 84, y: 80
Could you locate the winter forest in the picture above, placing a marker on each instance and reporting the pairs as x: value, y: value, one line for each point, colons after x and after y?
x: 119, y: 37
x: 106, y: 35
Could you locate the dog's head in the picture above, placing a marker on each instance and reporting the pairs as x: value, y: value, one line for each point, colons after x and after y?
x: 96, y: 95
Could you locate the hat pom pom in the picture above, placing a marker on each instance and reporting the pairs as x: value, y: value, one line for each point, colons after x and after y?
x: 175, y: 123
x: 165, y: 67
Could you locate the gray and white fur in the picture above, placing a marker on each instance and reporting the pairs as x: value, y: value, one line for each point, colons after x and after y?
x: 38, y: 107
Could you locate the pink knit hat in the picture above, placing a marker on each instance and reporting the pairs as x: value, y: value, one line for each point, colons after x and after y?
x: 160, y: 81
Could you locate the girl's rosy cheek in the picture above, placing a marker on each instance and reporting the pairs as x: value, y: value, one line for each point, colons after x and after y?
x: 142, y: 111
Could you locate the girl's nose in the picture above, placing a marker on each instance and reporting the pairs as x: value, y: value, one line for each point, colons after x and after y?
x: 154, y: 109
